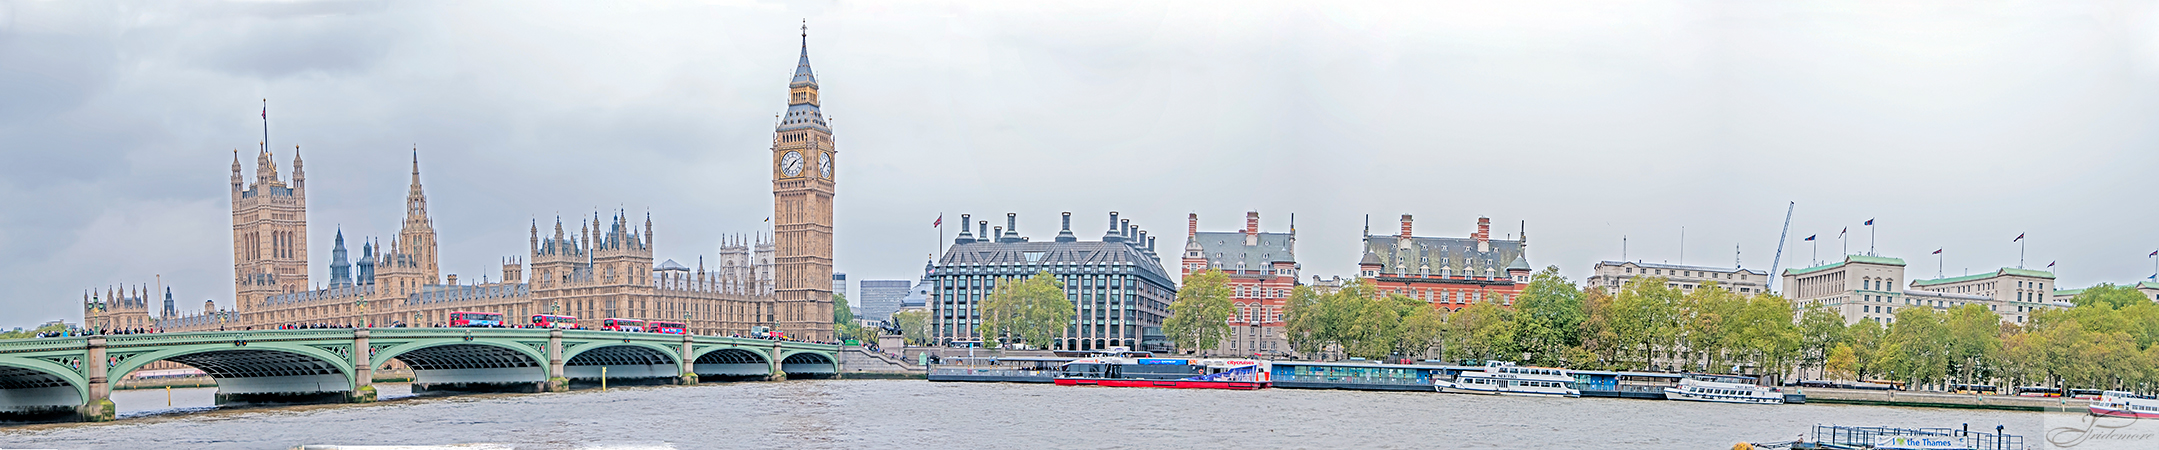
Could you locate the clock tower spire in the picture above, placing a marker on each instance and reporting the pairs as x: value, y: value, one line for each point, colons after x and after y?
x: 802, y: 191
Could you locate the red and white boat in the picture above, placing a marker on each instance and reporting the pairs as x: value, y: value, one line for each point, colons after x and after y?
x: 1239, y: 374
x: 2125, y: 404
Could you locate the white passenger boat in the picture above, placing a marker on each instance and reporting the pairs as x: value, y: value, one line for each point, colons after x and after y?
x: 2125, y: 404
x: 1505, y: 378
x: 1724, y: 389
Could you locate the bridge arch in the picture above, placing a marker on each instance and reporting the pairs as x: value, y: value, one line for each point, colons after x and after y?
x: 264, y: 368
x: 809, y: 363
x: 621, y: 360
x: 459, y: 354
x: 32, y: 384
x: 462, y: 364
x: 731, y: 362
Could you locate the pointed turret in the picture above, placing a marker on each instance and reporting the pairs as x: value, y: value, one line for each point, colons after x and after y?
x: 238, y: 184
x: 340, y: 271
x: 299, y: 176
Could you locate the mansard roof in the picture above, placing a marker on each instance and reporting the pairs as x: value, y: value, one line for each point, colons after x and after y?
x: 1442, y: 253
x: 1651, y: 265
x: 1052, y: 253
x: 1227, y: 249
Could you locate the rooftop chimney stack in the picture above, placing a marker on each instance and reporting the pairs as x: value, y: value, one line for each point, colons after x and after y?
x: 967, y: 235
x: 1142, y: 237
x: 1000, y: 232
x: 1012, y: 226
x: 1065, y: 235
x: 984, y: 225
x: 1484, y: 228
x: 1150, y: 245
x: 1405, y: 226
x: 1191, y: 225
x: 1251, y: 222
x: 1125, y: 232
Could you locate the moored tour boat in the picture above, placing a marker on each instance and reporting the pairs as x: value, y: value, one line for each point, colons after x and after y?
x: 1239, y: 374
x: 1724, y: 389
x: 1505, y: 378
x: 2125, y: 404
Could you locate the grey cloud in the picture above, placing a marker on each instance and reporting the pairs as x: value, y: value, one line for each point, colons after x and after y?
x: 1589, y: 120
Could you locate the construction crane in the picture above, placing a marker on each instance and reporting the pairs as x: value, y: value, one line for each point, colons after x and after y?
x: 1781, y: 235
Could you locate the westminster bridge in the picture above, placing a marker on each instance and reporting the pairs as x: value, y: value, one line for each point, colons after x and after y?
x: 47, y: 375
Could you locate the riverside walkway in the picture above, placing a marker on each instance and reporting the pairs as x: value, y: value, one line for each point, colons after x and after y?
x: 46, y: 375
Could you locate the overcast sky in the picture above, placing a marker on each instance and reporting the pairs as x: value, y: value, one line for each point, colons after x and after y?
x: 1956, y: 124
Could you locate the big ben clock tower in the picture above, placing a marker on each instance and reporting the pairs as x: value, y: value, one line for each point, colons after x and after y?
x: 802, y: 187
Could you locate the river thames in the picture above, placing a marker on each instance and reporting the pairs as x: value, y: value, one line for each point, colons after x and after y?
x: 920, y: 414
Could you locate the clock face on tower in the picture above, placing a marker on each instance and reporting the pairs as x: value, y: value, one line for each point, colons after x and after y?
x: 824, y: 165
x: 791, y: 164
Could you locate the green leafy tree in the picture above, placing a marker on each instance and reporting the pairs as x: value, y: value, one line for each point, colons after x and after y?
x: 1820, y: 332
x: 914, y: 326
x: 1921, y: 337
x: 1842, y: 362
x: 32, y: 332
x: 1033, y: 310
x: 1199, y: 319
x: 1645, y: 320
x: 1305, y: 321
x: 1422, y: 331
x: 1600, y: 334
x: 1870, y: 346
x: 1973, y: 335
x: 2109, y: 295
x: 1482, y: 331
x: 1549, y: 317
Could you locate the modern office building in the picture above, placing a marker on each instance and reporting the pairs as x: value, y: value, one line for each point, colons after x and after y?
x: 1450, y: 273
x: 880, y: 298
x: 839, y: 287
x: 1262, y: 269
x: 1117, y: 284
x: 1613, y: 275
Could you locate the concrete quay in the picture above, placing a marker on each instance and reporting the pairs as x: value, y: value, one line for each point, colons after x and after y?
x: 1944, y: 400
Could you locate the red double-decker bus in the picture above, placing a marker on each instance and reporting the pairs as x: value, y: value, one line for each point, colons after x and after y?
x: 553, y: 321
x: 475, y: 319
x: 666, y: 327
x: 630, y: 325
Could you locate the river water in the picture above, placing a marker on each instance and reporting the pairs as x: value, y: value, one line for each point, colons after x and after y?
x: 921, y: 414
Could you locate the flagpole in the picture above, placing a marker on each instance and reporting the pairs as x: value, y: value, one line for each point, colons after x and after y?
x: 1870, y: 237
x: 2020, y: 251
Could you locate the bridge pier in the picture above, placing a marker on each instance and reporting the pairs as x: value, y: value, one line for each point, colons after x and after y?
x: 363, y: 373
x: 556, y: 381
x: 687, y: 365
x: 778, y: 374
x: 97, y: 408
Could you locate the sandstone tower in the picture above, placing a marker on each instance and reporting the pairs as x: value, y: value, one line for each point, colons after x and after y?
x: 269, y: 231
x: 802, y: 188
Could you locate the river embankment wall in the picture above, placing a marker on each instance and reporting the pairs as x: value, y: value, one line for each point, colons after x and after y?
x: 1944, y: 400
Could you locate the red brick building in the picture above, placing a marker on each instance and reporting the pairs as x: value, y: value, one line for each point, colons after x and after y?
x: 1262, y: 268
x: 1450, y: 273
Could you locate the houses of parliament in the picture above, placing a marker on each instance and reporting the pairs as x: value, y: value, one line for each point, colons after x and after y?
x: 601, y: 268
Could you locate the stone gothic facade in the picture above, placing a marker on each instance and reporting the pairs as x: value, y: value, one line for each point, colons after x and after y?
x: 604, y: 268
